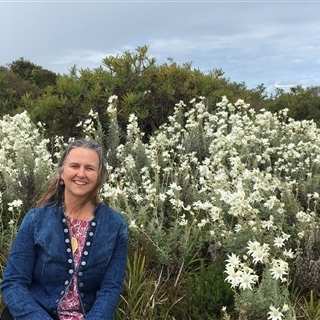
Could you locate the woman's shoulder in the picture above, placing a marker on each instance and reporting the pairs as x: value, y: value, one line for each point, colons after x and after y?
x: 42, y: 212
x: 46, y: 208
x: 104, y: 211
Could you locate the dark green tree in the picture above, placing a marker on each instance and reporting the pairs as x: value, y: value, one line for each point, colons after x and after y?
x: 12, y: 89
x: 144, y: 88
x: 302, y: 103
x: 33, y: 73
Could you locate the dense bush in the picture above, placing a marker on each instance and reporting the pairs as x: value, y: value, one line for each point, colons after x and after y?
x: 225, y: 184
x: 143, y: 87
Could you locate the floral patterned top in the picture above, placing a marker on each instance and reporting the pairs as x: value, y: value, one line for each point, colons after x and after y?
x: 70, y: 306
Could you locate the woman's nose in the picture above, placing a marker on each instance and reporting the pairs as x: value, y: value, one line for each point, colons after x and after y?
x: 81, y: 172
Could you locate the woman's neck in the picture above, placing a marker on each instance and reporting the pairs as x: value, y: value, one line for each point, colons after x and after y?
x: 79, y: 211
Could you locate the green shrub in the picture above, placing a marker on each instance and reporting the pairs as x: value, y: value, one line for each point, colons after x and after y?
x: 207, y: 293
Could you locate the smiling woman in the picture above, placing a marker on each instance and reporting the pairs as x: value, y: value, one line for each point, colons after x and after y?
x: 79, y: 177
x: 60, y: 265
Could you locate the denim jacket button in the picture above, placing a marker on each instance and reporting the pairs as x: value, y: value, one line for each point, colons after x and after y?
x: 71, y: 271
x: 66, y: 282
x: 93, y: 224
x: 70, y: 260
x: 83, y: 263
x: 85, y: 253
x: 56, y: 301
x: 68, y: 250
x: 88, y: 243
x: 81, y: 284
x: 65, y: 230
x: 80, y: 274
x: 67, y: 241
x: 64, y: 220
x: 61, y: 293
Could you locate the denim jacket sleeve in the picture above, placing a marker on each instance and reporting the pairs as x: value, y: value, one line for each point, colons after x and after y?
x: 18, y: 275
x: 107, y: 297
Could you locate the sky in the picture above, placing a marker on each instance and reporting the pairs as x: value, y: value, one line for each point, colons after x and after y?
x: 275, y: 43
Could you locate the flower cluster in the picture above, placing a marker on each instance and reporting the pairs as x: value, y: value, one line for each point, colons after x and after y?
x: 224, y: 178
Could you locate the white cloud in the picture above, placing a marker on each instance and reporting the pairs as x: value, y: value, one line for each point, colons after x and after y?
x: 81, y: 57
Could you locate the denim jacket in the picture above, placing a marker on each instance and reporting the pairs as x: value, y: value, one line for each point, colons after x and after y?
x: 40, y: 265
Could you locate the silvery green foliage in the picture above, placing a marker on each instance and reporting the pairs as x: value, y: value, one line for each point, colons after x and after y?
x: 25, y: 162
x: 221, y: 180
x: 209, y: 182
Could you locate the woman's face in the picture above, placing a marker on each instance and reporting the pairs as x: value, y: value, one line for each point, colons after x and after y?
x: 80, y: 173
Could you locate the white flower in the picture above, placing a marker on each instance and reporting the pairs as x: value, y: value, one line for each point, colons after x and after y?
x: 279, y: 269
x: 268, y: 224
x: 252, y: 246
x: 233, y: 261
x: 233, y: 276
x: 259, y: 255
x: 202, y: 223
x: 112, y: 98
x: 285, y: 308
x: 258, y: 252
x: 274, y: 314
x: 246, y: 280
x: 303, y: 217
x: 271, y: 202
x: 285, y: 236
x: 288, y: 253
x: 278, y: 242
x: 138, y: 197
x: 132, y: 224
x: 15, y: 204
x: 183, y: 221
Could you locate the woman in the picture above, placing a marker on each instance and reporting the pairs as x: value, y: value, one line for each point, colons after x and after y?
x: 68, y: 260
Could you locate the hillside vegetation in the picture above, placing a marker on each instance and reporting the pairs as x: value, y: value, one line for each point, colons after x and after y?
x: 143, y: 88
x: 219, y: 184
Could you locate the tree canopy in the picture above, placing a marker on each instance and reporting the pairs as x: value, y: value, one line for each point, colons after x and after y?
x: 143, y: 87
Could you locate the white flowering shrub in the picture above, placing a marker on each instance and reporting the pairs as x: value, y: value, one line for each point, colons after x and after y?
x: 225, y: 183
x: 25, y: 162
x: 231, y: 181
x: 25, y: 165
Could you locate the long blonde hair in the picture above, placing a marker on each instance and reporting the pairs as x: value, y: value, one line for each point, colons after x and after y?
x: 55, y: 191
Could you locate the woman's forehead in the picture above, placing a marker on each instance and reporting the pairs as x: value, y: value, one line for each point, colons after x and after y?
x: 80, y: 154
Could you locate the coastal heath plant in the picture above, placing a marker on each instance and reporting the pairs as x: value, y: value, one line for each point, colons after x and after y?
x: 268, y: 298
x: 150, y: 188
x: 207, y: 294
x: 8, y: 232
x: 222, y: 183
x: 25, y: 162
x: 216, y: 181
x: 25, y: 165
